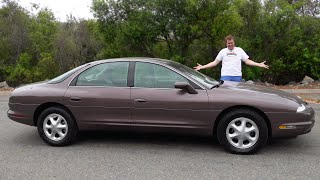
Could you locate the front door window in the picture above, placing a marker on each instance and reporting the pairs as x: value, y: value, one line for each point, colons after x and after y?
x: 149, y: 75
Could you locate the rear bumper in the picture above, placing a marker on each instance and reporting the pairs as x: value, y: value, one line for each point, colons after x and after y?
x: 20, y: 118
x: 22, y: 113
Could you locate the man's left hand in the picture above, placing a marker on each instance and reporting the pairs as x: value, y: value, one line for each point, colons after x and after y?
x: 263, y: 65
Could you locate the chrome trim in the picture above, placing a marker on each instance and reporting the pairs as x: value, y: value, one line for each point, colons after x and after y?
x: 176, y: 71
x: 138, y: 60
x: 183, y: 75
x: 92, y: 64
x: 162, y: 88
x: 103, y: 87
x: 298, y: 124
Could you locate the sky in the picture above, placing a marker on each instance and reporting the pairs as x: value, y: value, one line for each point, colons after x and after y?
x: 62, y: 8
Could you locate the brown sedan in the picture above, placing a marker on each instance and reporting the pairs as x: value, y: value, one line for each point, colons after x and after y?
x: 146, y: 94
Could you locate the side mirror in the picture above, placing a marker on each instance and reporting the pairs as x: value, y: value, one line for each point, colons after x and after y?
x: 186, y: 86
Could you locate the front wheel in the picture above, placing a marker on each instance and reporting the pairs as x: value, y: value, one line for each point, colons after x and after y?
x: 242, y: 131
x: 56, y: 127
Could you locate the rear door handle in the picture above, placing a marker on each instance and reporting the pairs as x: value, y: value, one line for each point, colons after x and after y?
x: 140, y: 100
x: 75, y: 99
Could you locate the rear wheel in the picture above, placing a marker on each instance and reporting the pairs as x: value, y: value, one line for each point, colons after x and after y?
x: 242, y: 131
x: 56, y: 127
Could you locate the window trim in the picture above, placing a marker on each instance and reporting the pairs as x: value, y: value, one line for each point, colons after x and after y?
x: 191, y: 81
x: 75, y: 70
x: 131, y: 71
x: 73, y: 82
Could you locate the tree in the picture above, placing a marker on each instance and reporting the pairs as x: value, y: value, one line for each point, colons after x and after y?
x: 74, y: 44
x: 13, y: 29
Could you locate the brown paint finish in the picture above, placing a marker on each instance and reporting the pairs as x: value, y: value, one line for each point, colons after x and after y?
x: 157, y: 109
x: 171, y: 108
x: 100, y: 106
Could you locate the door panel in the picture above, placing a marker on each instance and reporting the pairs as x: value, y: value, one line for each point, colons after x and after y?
x: 170, y: 108
x: 100, y: 105
x: 156, y: 103
x: 101, y: 96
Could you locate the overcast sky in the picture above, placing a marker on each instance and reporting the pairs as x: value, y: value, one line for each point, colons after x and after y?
x: 62, y: 8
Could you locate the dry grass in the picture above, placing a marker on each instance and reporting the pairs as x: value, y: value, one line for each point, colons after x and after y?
x: 313, y: 85
x: 6, y: 89
x: 314, y: 101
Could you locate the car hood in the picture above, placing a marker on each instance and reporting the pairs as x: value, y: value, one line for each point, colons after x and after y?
x: 249, y: 88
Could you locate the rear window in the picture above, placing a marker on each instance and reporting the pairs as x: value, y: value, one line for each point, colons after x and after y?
x: 64, y: 76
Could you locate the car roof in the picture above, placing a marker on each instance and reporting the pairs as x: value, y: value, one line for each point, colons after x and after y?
x: 140, y: 59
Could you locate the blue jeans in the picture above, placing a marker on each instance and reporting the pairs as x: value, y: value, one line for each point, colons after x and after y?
x: 231, y: 78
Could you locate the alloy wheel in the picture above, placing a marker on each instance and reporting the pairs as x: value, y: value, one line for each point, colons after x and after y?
x: 242, y: 133
x: 55, y: 127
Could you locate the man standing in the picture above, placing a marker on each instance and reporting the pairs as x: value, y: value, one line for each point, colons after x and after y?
x: 231, y: 58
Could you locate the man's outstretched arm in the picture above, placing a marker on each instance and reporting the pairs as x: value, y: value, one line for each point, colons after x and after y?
x: 252, y: 63
x: 211, y: 64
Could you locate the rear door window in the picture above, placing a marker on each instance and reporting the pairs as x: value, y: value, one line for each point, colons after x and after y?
x: 113, y: 74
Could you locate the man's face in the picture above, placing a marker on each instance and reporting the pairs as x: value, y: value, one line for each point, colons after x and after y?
x: 230, y: 44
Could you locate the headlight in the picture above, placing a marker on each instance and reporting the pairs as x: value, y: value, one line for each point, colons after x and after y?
x: 301, y: 108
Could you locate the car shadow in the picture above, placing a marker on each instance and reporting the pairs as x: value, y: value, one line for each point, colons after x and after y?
x: 136, y: 140
x: 146, y: 139
x: 136, y: 137
x: 177, y: 141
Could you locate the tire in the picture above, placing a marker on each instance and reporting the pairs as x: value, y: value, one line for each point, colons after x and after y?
x: 56, y: 127
x: 242, y: 131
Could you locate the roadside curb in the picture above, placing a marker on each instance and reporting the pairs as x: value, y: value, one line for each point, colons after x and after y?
x: 3, y: 93
x: 302, y: 91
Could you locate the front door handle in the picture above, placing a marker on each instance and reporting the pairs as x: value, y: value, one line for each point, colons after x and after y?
x: 140, y: 100
x: 75, y: 99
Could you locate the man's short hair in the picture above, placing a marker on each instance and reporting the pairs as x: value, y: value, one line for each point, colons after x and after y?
x: 228, y: 38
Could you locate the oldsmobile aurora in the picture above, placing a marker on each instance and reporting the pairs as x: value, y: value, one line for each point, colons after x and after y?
x: 148, y: 94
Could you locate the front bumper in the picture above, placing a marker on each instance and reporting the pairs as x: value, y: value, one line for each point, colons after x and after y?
x: 292, y: 124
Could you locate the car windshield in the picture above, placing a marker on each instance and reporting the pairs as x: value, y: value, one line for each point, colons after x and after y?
x: 64, y: 76
x: 206, y: 81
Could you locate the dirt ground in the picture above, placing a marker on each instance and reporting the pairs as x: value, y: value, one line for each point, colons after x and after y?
x: 308, y: 97
x: 6, y: 89
x: 313, y: 85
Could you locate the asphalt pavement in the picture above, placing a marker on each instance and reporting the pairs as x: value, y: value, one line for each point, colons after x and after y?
x: 96, y: 155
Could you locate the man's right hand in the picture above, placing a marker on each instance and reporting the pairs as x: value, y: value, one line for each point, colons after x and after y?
x: 198, y: 67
